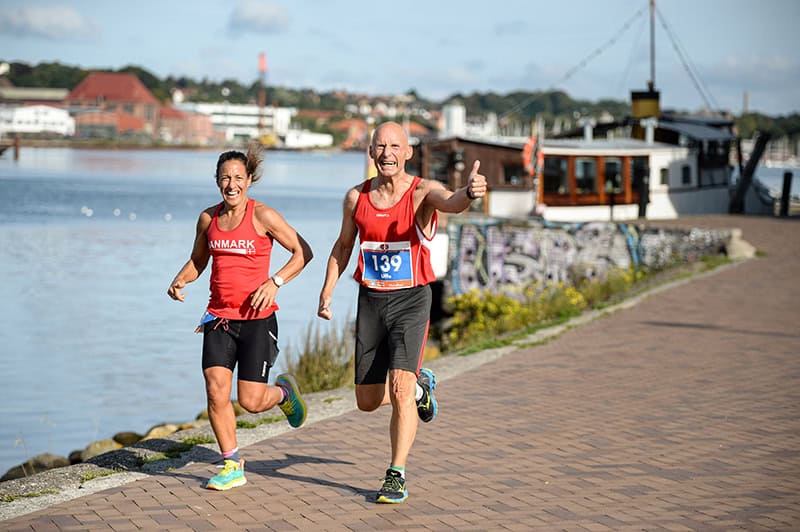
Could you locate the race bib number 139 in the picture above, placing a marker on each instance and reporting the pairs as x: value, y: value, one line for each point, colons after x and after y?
x: 387, y: 265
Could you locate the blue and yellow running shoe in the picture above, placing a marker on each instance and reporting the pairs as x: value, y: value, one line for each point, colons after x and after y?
x: 231, y: 476
x: 394, y: 489
x: 294, y: 407
x: 427, y: 406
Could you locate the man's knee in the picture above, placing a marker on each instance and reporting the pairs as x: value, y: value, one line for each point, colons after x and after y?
x: 402, y: 386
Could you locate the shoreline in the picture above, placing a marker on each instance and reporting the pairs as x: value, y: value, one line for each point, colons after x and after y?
x: 117, y: 145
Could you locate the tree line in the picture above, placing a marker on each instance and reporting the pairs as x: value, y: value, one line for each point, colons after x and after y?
x: 518, y: 106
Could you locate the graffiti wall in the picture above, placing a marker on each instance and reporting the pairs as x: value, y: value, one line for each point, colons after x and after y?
x: 499, y: 255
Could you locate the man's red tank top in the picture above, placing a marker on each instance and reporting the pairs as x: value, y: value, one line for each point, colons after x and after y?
x: 240, y: 265
x: 394, y: 251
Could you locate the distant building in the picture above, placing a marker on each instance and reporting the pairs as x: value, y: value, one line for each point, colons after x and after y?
x: 243, y: 122
x: 35, y: 121
x: 96, y: 124
x: 185, y: 127
x: 112, y: 92
x: 32, y: 96
x: 302, y: 140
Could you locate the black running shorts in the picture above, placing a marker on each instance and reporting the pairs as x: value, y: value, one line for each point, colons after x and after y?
x: 251, y: 343
x: 391, y: 330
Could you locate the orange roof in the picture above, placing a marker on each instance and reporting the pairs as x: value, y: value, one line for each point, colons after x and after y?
x: 171, y: 112
x: 111, y: 87
x: 317, y: 114
x: 349, y: 123
x: 416, y: 129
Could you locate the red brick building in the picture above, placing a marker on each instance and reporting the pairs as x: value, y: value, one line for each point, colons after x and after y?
x: 113, y: 104
x: 117, y: 93
x: 182, y: 127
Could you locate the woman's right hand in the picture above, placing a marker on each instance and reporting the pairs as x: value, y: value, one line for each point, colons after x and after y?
x: 174, y: 290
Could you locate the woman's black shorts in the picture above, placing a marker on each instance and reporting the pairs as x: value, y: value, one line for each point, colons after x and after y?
x: 251, y: 343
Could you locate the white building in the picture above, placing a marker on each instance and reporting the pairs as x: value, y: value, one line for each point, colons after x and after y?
x: 455, y: 121
x: 244, y: 122
x: 36, y: 120
x: 304, y: 140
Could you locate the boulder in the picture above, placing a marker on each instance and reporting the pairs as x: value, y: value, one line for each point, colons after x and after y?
x: 37, y: 464
x: 127, y: 438
x: 160, y: 431
x: 100, y: 447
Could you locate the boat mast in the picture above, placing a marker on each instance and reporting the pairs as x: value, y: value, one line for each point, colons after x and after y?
x: 652, y: 83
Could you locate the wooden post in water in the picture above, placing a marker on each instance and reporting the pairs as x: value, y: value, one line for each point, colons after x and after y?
x: 16, y: 147
x: 786, y: 194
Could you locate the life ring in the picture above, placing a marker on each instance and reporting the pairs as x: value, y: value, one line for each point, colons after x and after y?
x: 532, y: 156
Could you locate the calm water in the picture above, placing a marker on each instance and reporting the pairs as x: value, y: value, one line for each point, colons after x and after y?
x: 89, y: 241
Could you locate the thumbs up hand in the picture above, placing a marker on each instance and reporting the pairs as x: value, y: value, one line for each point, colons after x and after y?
x: 476, y: 183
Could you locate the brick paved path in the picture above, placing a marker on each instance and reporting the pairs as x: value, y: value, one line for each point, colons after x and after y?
x: 679, y: 413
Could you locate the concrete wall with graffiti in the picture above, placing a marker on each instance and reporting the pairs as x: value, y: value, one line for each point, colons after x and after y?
x: 498, y: 254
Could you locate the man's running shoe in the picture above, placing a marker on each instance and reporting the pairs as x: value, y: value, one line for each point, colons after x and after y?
x: 394, y: 489
x: 231, y: 476
x: 427, y: 406
x: 294, y: 407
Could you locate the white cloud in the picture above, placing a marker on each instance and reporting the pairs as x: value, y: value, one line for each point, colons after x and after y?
x: 756, y: 71
x: 261, y: 17
x: 52, y: 23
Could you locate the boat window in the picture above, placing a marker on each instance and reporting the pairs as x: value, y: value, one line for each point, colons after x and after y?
x: 513, y: 174
x: 586, y: 175
x: 665, y: 176
x: 613, y: 173
x: 555, y: 175
x: 639, y: 171
x: 686, y: 174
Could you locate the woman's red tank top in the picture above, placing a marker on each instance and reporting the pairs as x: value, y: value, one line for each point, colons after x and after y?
x: 240, y: 264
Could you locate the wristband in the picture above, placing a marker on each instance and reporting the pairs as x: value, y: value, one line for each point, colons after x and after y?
x: 469, y: 194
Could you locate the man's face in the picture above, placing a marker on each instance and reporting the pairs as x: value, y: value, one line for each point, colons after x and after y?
x: 390, y: 150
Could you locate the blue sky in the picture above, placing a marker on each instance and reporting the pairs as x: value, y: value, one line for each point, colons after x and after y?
x: 437, y: 47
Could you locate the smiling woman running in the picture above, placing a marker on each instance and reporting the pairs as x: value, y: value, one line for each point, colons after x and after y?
x: 239, y: 325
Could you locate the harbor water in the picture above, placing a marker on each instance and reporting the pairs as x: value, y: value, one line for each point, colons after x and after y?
x: 90, y: 343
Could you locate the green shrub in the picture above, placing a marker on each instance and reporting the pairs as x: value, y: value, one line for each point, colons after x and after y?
x: 478, y: 315
x: 481, y: 314
x: 326, y: 360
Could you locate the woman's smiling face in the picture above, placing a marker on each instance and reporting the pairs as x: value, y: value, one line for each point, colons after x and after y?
x: 233, y: 182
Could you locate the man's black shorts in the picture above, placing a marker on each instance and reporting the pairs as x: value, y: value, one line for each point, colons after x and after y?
x: 251, y: 343
x: 391, y: 330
